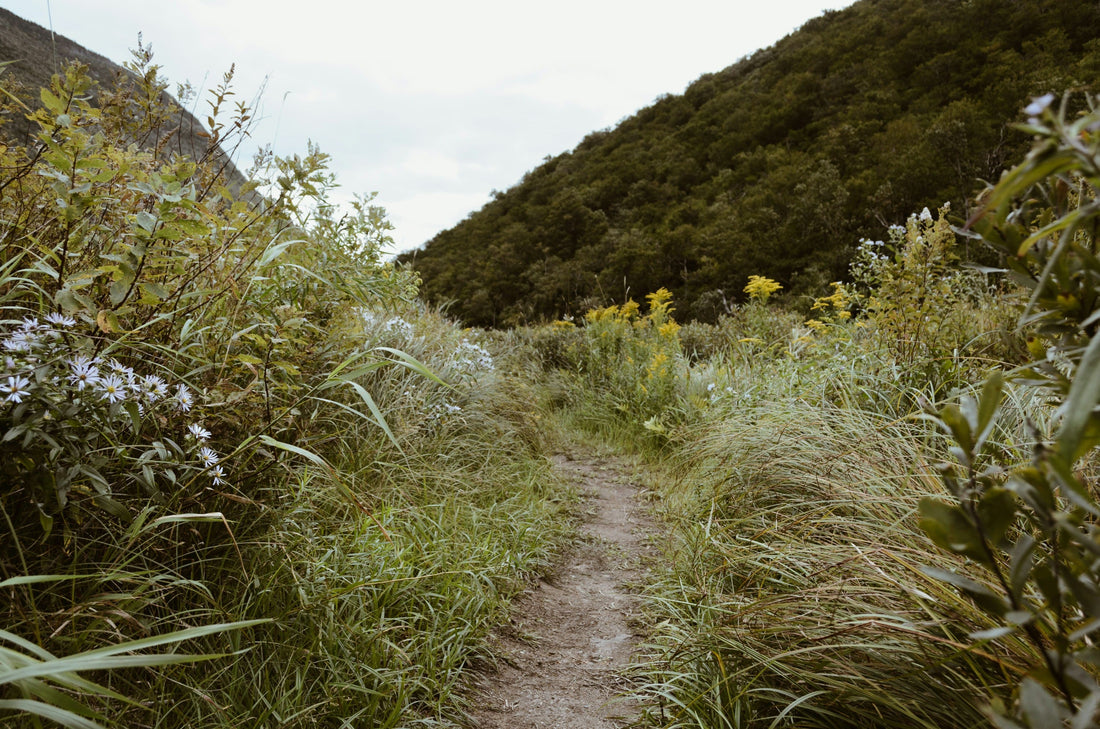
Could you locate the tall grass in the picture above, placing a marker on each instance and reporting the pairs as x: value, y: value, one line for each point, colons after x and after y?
x: 223, y: 421
x: 795, y: 595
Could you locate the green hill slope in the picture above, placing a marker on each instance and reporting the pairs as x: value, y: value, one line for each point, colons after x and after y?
x: 776, y: 165
x: 32, y: 54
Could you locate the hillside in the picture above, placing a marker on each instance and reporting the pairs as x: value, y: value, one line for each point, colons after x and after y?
x: 777, y: 165
x: 33, y: 55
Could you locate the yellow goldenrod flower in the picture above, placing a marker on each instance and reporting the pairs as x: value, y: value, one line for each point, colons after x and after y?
x: 759, y: 288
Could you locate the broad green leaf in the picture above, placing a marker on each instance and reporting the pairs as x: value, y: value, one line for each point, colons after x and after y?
x: 981, y: 594
x: 959, y: 428
x: 145, y: 221
x: 1080, y: 402
x: 947, y: 526
x: 1040, y: 708
x: 990, y: 403
x: 997, y: 512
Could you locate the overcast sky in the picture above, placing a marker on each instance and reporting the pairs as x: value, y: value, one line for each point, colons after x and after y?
x: 432, y: 103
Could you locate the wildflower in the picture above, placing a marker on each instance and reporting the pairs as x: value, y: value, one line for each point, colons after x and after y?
x: 20, y: 341
x: 16, y: 389
x: 120, y: 369
x: 759, y: 288
x: 83, y: 372
x: 926, y: 216
x: 208, y: 457
x: 184, y: 399
x: 1037, y: 106
x: 113, y: 388
x: 154, y: 388
x: 198, y: 432
x: 218, y: 474
x: 60, y: 320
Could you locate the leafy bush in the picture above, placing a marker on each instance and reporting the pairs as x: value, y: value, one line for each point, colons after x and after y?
x: 1032, y: 525
x: 217, y: 403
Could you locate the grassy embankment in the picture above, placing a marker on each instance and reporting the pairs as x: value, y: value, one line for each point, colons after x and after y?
x: 788, y: 446
x: 247, y: 480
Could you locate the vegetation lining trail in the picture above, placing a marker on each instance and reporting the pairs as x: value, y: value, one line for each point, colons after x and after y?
x: 572, y: 635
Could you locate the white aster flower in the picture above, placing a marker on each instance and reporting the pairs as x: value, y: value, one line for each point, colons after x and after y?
x: 218, y: 475
x: 198, y: 432
x: 15, y: 389
x: 60, y: 320
x: 184, y: 399
x: 208, y: 457
x: 20, y: 341
x: 113, y: 388
x: 83, y: 373
x: 154, y: 388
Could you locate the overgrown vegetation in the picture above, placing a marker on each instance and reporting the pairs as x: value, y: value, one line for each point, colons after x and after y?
x: 226, y: 424
x: 835, y: 561
x: 248, y: 480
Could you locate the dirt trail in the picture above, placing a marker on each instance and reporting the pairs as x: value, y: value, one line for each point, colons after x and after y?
x: 573, y: 632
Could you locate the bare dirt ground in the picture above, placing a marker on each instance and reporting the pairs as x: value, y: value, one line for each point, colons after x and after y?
x: 572, y: 634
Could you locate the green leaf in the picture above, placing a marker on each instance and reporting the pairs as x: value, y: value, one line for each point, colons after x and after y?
x: 997, y: 512
x: 959, y: 427
x: 213, y: 516
x: 988, y: 405
x: 111, y: 506
x: 982, y: 595
x: 134, y: 412
x: 1080, y: 402
x: 1040, y: 708
x: 1021, y: 562
x: 412, y: 363
x: 308, y: 455
x: 379, y: 418
x: 49, y: 711
x: 950, y: 528
x: 145, y: 221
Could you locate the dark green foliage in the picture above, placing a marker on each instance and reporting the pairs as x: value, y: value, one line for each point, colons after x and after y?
x: 1032, y: 526
x: 774, y: 166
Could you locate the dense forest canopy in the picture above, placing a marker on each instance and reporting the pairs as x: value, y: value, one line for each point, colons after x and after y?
x: 776, y: 166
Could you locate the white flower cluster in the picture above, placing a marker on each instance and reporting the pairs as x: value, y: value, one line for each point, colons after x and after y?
x: 469, y: 358
x: 871, y: 249
x: 714, y: 394
x: 443, y: 411
x: 46, y: 366
x: 385, y: 324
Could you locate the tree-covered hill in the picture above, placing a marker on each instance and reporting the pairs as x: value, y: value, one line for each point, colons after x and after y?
x: 775, y: 166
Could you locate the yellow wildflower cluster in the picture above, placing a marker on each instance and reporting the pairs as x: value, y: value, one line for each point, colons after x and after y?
x: 595, y: 316
x: 832, y: 309
x: 660, y: 301
x: 636, y: 357
x: 759, y: 288
x: 668, y: 329
x: 838, y: 302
